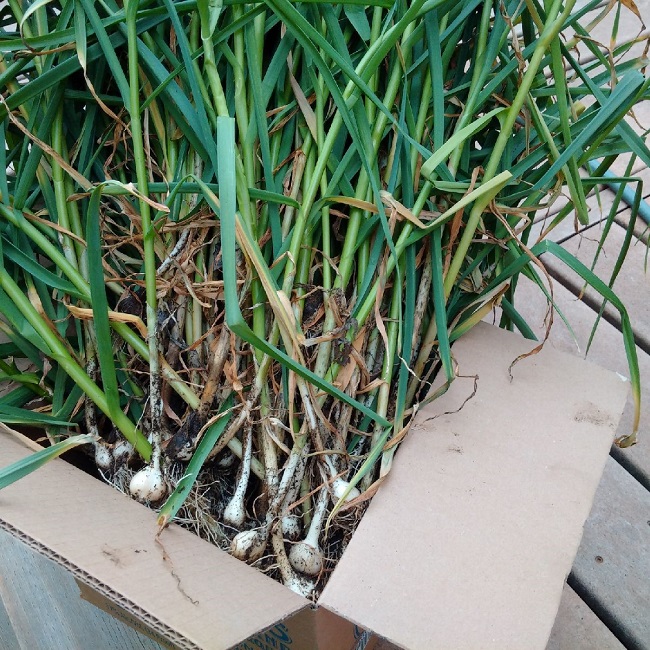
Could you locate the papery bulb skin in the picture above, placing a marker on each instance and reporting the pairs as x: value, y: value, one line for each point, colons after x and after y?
x: 103, y: 457
x: 148, y: 485
x: 291, y: 528
x: 122, y: 453
x: 235, y: 513
x: 339, y: 486
x: 301, y: 586
x: 249, y: 545
x: 306, y: 558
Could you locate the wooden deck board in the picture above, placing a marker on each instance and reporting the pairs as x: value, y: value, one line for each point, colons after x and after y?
x: 598, y: 206
x: 641, y: 228
x: 578, y: 628
x: 632, y: 285
x: 630, y: 30
x: 599, y: 203
x: 611, y: 570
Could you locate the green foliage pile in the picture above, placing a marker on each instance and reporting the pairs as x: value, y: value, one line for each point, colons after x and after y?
x: 237, y: 239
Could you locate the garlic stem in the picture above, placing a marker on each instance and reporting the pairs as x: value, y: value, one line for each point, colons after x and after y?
x: 249, y: 545
x: 339, y: 485
x: 235, y: 512
x: 269, y: 449
x: 297, y: 583
x: 306, y: 556
x: 293, y: 472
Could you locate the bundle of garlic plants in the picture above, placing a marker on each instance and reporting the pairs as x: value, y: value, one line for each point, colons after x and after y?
x: 238, y: 239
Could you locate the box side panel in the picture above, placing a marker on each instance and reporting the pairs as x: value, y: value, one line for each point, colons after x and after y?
x: 110, y: 606
x: 108, y: 600
x: 295, y: 633
x: 313, y: 628
x: 40, y: 607
x: 181, y: 586
x: 336, y: 633
x: 383, y: 644
x: 470, y: 538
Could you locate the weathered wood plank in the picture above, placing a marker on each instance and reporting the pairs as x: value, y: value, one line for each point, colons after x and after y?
x: 599, y: 206
x: 40, y: 608
x: 611, y: 570
x: 629, y: 30
x: 578, y: 628
x: 632, y: 285
x: 641, y: 228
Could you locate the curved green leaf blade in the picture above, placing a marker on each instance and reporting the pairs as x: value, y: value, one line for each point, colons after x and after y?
x: 31, y: 463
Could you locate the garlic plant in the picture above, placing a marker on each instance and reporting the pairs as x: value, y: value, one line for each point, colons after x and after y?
x: 237, y: 240
x: 306, y: 556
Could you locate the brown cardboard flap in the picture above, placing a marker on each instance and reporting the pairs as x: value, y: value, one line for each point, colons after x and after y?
x: 468, y: 542
x: 191, y: 592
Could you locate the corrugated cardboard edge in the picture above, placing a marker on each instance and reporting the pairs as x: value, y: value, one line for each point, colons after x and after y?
x: 312, y: 627
x: 128, y: 614
x: 88, y: 584
x: 112, y: 547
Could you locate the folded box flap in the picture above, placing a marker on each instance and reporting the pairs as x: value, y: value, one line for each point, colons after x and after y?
x: 183, y: 587
x: 469, y: 540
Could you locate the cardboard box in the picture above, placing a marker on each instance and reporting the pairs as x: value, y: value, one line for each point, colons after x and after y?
x: 466, y: 545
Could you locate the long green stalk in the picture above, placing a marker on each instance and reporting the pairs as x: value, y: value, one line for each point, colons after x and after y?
x: 148, y: 234
x: 554, y: 22
x: 62, y: 356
